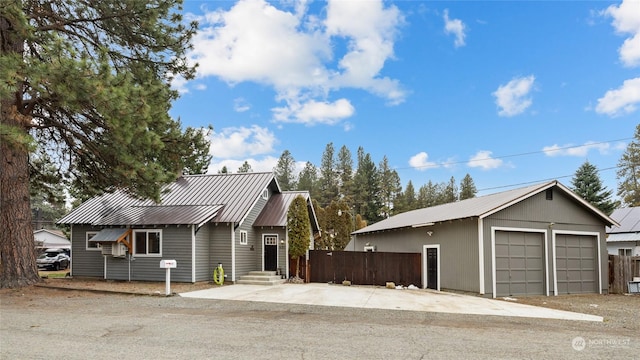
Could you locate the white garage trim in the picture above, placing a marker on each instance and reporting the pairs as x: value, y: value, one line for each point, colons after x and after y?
x: 553, y: 250
x: 493, y: 254
x: 424, y: 264
x: 481, y: 255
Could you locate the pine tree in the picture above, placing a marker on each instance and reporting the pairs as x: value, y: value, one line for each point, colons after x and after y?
x: 328, y: 182
x: 224, y: 170
x: 298, y: 230
x: 409, y: 197
x: 467, y: 188
x: 285, y: 171
x: 367, y: 188
x: 344, y: 168
x: 390, y: 186
x: 308, y: 179
x: 628, y: 173
x: 89, y: 82
x: 587, y: 184
x: 450, y: 193
x: 245, y: 167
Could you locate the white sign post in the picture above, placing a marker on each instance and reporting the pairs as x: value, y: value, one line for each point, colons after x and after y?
x: 168, y: 264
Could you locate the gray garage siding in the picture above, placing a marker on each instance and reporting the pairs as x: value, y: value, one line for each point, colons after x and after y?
x: 458, y: 249
x: 88, y: 263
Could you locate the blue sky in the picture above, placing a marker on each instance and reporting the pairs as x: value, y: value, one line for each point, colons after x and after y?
x: 508, y: 92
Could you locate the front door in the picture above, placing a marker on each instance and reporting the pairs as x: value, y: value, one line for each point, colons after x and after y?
x: 270, y: 252
x: 432, y: 268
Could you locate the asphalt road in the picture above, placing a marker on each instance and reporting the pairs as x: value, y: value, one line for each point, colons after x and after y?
x: 104, y: 326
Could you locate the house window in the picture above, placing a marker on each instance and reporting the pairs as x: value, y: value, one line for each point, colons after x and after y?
x: 624, y: 252
x: 271, y: 240
x: 265, y: 194
x: 92, y: 245
x: 147, y: 242
x: 243, y: 237
x: 549, y: 194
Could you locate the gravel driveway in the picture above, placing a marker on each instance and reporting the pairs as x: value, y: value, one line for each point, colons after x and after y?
x: 41, y: 323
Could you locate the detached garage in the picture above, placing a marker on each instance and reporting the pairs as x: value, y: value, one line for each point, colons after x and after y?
x: 537, y: 240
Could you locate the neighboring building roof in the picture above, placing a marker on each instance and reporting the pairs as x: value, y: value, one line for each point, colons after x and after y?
x: 628, y: 218
x: 57, y: 233
x: 479, y: 207
x: 192, y: 199
x: 618, y: 237
x: 275, y: 212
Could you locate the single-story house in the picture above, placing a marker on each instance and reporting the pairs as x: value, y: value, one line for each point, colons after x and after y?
x: 49, y: 239
x: 237, y: 220
x: 536, y: 240
x: 624, y: 239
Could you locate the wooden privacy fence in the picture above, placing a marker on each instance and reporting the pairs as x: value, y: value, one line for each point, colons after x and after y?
x: 365, y: 268
x: 622, y: 269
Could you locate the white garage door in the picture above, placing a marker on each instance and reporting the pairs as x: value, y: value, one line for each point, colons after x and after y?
x: 576, y: 264
x: 519, y: 259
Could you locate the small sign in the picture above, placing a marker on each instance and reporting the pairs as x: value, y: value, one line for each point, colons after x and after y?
x: 168, y: 264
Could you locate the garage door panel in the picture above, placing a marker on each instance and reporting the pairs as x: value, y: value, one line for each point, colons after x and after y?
x: 576, y: 264
x: 519, y: 263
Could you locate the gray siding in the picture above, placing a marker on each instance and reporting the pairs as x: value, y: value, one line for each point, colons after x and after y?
x: 458, y: 249
x: 88, y: 263
x: 245, y: 256
x: 203, y: 255
x: 538, y: 213
x: 220, y: 248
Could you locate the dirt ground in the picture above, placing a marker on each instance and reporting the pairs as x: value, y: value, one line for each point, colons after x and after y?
x: 619, y: 311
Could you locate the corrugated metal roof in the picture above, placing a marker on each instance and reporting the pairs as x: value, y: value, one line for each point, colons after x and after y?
x: 161, y: 215
x: 480, y: 207
x: 623, y: 237
x: 237, y: 192
x: 109, y: 235
x: 628, y: 218
x: 276, y: 209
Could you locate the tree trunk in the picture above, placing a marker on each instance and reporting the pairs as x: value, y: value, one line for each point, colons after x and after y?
x: 17, y: 250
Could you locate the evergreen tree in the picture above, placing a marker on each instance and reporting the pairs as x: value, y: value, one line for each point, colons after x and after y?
x: 467, y: 188
x: 89, y: 80
x: 390, y: 187
x: 344, y: 169
x: 409, y: 197
x: 48, y: 200
x: 224, y: 170
x: 428, y: 195
x: 245, y: 167
x: 450, y: 193
x: 298, y: 230
x: 367, y: 188
x: 628, y: 173
x: 328, y: 182
x: 587, y: 184
x: 285, y: 171
x: 308, y: 179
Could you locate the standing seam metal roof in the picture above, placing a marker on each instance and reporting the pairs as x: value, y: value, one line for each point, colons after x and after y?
x: 629, y: 219
x: 187, y: 200
x: 277, y: 208
x: 481, y: 206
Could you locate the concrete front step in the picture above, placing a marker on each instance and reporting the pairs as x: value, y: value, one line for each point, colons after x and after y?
x: 260, y: 273
x: 261, y: 278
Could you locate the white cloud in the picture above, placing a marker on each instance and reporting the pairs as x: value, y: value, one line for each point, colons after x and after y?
x: 241, y: 105
x: 314, y: 112
x: 201, y: 87
x: 623, y: 100
x: 265, y: 164
x: 513, y: 98
x: 626, y: 20
x: 240, y: 142
x: 420, y: 161
x: 578, y: 150
x: 455, y: 27
x: 293, y: 51
x: 483, y: 160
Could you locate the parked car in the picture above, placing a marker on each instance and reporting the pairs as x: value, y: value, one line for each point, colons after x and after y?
x: 55, y: 259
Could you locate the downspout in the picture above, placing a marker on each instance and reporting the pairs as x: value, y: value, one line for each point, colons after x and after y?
x: 286, y: 253
x: 105, y: 266
x: 71, y: 261
x: 481, y: 254
x: 193, y: 253
x: 233, y: 253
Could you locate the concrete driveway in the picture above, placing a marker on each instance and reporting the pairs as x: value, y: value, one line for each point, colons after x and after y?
x: 371, y: 297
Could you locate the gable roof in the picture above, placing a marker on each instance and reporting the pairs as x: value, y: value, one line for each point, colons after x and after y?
x: 478, y: 207
x: 628, y: 219
x: 192, y: 199
x: 57, y: 233
x: 275, y: 212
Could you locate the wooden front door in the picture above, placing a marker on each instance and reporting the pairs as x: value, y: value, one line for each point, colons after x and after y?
x: 270, y: 252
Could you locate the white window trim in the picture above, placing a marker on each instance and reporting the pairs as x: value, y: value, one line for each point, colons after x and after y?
x: 146, y: 231
x: 424, y: 265
x: 243, y: 237
x: 265, y: 194
x: 86, y: 241
x: 553, y: 253
x: 625, y: 250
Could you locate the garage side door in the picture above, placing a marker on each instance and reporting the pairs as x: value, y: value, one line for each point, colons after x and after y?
x: 519, y: 263
x: 576, y: 264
